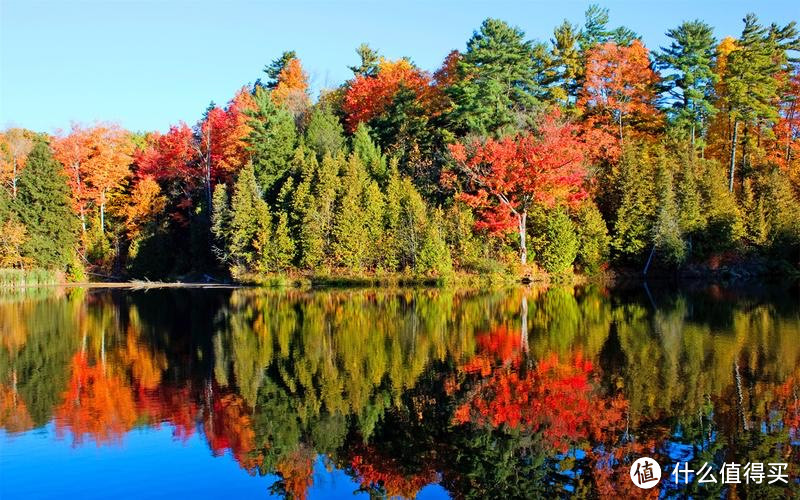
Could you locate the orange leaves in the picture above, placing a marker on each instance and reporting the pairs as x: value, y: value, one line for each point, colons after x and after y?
x: 225, y: 131
x: 297, y: 470
x: 369, y: 96
x: 291, y: 89
x: 144, y: 204
x: 228, y: 427
x: 14, y: 416
x: 376, y: 469
x: 96, y: 403
x: 619, y: 90
x: 97, y: 160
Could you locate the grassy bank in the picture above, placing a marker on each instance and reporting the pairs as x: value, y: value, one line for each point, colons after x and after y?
x: 29, y: 277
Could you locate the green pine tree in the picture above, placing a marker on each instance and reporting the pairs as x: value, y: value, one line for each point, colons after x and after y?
x: 42, y: 206
x: 324, y: 132
x: 667, y: 236
x: 498, y: 81
x: 688, y: 65
x: 561, y: 247
x: 271, y: 141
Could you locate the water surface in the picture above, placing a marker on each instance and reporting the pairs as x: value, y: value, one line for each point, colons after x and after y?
x: 432, y: 393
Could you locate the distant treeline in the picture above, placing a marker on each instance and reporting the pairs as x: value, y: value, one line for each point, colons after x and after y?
x: 515, y: 156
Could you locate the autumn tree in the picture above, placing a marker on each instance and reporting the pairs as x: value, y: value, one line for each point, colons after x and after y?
x: 15, y: 145
x: 73, y: 151
x: 108, y: 164
x: 509, y: 176
x: 618, y: 94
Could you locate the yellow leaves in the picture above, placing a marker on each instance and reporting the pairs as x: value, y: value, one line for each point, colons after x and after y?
x: 12, y: 236
x: 144, y: 204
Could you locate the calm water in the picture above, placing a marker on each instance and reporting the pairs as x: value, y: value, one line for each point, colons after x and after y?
x: 428, y: 393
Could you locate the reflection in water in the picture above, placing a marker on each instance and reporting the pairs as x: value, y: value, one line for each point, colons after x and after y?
x: 521, y: 393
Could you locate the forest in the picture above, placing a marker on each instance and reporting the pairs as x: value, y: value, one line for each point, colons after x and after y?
x: 586, y: 152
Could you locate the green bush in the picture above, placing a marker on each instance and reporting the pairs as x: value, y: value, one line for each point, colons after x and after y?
x: 561, y: 246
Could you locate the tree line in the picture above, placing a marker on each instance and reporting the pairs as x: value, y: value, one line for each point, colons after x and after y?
x: 583, y: 151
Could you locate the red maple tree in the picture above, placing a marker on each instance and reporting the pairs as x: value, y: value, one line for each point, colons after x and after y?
x: 507, y: 177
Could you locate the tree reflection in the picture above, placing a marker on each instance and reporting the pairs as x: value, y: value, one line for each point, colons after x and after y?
x: 518, y: 393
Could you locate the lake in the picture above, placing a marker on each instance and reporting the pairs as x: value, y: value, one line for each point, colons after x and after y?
x: 433, y: 393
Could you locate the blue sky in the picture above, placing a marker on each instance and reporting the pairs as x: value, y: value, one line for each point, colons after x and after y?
x: 147, y: 64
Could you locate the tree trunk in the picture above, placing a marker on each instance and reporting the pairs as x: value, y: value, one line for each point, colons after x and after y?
x: 103, y: 213
x: 524, y: 324
x: 14, y: 179
x: 523, y: 246
x: 733, y: 155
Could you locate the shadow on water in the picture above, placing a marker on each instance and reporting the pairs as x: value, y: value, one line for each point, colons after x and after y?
x: 524, y: 392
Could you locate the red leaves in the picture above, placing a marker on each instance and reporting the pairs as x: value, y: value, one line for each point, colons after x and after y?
x: 513, y: 173
x: 369, y: 96
x: 374, y: 468
x: 557, y: 398
x: 170, y: 157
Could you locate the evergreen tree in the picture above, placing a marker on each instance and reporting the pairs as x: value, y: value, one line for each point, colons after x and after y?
x: 689, y: 76
x: 282, y: 246
x: 561, y: 245
x: 220, y: 222
x: 349, y: 226
x: 750, y: 86
x: 667, y: 236
x: 249, y: 220
x: 567, y: 62
x: 372, y: 212
x: 690, y: 212
x: 369, y: 153
x: 271, y: 140
x: 274, y: 68
x: 434, y: 256
x: 369, y: 61
x: 42, y: 206
x: 497, y: 81
x: 634, y: 216
x: 324, y: 133
x: 593, y: 239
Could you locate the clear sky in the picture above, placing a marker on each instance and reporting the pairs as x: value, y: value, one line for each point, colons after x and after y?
x: 147, y: 64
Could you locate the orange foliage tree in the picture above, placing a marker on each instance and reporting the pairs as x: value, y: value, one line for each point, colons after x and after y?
x: 369, y: 96
x: 96, y: 404
x: 108, y: 164
x: 73, y: 151
x: 618, y: 93
x: 291, y: 89
x: 15, y: 145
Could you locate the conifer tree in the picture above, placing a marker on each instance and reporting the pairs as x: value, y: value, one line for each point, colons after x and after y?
x: 369, y: 153
x: 220, y: 222
x: 271, y: 140
x: 561, y: 245
x: 42, y: 206
x: 372, y: 212
x: 324, y: 133
x: 434, y: 256
x: 634, y: 216
x: 667, y: 237
x: 250, y: 220
x: 349, y: 226
x: 593, y: 238
x: 497, y: 80
x: 690, y: 78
